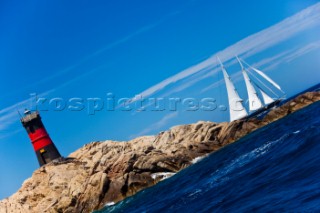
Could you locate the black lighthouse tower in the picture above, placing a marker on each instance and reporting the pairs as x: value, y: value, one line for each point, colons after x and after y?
x: 45, y: 149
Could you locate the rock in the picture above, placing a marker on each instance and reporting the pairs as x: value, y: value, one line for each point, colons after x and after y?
x: 109, y: 171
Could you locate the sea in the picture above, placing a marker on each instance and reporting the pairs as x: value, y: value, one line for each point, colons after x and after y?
x: 273, y: 169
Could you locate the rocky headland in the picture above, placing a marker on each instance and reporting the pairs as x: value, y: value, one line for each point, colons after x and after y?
x: 109, y: 171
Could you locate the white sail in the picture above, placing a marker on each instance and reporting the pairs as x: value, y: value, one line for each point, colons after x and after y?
x: 267, y: 78
x: 237, y: 111
x: 266, y: 98
x: 254, y: 100
x: 264, y: 76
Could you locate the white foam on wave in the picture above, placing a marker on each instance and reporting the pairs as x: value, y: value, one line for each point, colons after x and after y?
x: 110, y: 204
x: 296, y: 132
x: 198, y: 159
x: 195, y: 193
x: 162, y: 175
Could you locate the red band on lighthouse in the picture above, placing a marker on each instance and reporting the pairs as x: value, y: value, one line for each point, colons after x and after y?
x: 40, y: 139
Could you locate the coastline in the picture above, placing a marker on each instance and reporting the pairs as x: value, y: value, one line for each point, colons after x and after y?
x: 109, y: 171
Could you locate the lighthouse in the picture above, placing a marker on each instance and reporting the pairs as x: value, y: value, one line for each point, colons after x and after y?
x: 42, y: 144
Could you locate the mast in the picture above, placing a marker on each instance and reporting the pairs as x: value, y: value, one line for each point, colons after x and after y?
x: 265, y: 76
x: 236, y: 109
x: 254, y: 100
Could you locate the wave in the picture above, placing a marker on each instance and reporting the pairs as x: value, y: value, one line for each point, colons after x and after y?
x: 221, y: 175
x: 274, y: 169
x: 162, y: 175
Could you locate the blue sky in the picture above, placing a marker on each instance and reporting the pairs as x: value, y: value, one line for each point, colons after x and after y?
x: 86, y: 49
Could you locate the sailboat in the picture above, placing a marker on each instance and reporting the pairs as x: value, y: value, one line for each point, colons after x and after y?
x: 256, y: 105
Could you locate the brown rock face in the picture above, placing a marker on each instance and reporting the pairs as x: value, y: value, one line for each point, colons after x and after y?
x: 109, y: 171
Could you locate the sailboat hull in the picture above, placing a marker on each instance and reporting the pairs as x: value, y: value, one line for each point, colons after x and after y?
x: 263, y: 109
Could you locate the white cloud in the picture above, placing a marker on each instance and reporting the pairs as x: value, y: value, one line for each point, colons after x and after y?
x: 9, y: 115
x: 157, y: 125
x: 246, y: 47
x: 7, y: 134
x: 274, y: 61
x: 250, y: 45
x: 293, y: 54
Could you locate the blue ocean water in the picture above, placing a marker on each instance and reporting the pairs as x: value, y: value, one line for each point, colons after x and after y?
x: 274, y: 169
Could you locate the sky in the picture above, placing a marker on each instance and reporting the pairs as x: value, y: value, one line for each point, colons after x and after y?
x: 117, y: 57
